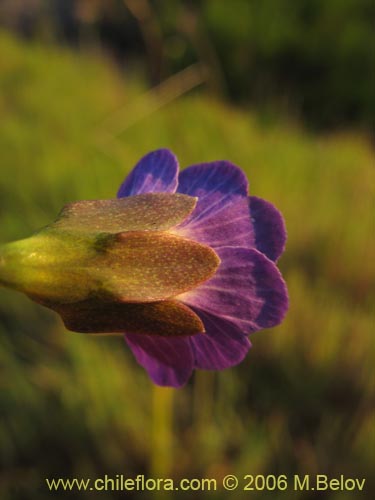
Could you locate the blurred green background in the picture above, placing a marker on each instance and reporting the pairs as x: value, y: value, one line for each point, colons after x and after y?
x: 282, y: 89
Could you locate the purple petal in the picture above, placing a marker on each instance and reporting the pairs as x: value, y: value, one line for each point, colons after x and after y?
x: 269, y: 228
x: 223, y: 345
x: 247, y: 290
x: 216, y: 176
x: 169, y: 362
x: 157, y: 172
x: 221, y: 217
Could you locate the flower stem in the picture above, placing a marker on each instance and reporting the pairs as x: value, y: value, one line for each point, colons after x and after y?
x: 162, y: 432
x: 203, y: 415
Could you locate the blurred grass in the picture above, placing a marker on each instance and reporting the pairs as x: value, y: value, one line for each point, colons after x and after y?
x: 73, y: 405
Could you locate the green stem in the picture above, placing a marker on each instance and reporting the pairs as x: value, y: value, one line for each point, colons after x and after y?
x: 47, y: 265
x: 162, y: 432
x: 12, y: 257
x: 203, y: 413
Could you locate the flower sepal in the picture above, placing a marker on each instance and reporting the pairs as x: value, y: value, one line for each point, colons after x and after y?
x: 166, y: 318
x: 112, y: 265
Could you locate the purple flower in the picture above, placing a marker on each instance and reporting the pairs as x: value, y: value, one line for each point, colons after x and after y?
x: 183, y: 263
x: 247, y: 292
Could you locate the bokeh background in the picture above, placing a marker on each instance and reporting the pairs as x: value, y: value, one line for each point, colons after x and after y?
x: 283, y: 88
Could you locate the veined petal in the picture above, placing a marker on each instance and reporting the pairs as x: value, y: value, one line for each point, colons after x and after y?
x: 229, y: 226
x: 168, y: 362
x: 156, y: 172
x: 223, y: 345
x: 247, y: 290
x: 221, y: 217
x: 221, y: 177
x: 269, y: 228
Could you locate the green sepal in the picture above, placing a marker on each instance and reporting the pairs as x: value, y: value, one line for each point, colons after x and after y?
x: 168, y: 318
x: 145, y: 266
x: 142, y: 212
x: 112, y: 265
